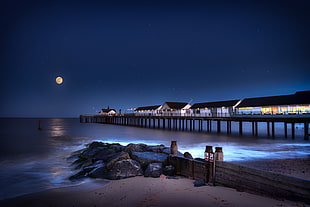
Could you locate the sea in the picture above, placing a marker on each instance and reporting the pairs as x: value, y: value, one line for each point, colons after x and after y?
x: 33, y: 160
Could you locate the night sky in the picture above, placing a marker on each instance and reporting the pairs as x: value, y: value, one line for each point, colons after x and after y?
x: 139, y: 53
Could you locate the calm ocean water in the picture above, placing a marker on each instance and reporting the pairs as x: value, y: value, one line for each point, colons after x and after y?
x: 33, y: 160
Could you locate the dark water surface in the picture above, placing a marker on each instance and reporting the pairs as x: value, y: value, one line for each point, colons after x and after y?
x: 33, y: 160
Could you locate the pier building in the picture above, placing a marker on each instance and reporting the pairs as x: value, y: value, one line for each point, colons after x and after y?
x: 107, y: 112
x: 295, y: 104
x: 148, y: 110
x: 215, y: 109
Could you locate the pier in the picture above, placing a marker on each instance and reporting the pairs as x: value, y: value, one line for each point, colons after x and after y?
x: 207, y: 124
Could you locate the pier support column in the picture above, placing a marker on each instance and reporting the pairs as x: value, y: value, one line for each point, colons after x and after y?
x: 228, y: 127
x: 268, y: 129
x: 306, y: 128
x: 293, y: 130
x: 240, y: 128
x: 210, y: 125
x: 186, y: 124
x: 256, y: 128
x: 218, y: 126
x: 285, y: 129
x: 164, y: 124
x: 272, y: 129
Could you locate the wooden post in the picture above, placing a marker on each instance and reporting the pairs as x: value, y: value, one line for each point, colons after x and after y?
x: 293, y: 130
x: 268, y: 129
x: 174, y: 148
x: 272, y: 129
x: 253, y: 128
x: 256, y: 128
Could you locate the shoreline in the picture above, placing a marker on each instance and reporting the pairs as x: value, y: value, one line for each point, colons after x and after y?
x: 145, y: 191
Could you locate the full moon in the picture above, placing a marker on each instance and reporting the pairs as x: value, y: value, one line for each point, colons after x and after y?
x: 59, y: 80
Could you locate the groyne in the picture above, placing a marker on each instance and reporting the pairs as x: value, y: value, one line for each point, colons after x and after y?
x: 244, y: 178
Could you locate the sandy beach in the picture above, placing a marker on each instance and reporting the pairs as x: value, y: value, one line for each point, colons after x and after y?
x: 142, y: 191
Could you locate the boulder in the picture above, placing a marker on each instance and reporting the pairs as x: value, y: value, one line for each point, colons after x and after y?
x: 91, y: 152
x: 135, y: 148
x: 188, y: 155
x: 117, y: 157
x: 96, y: 144
x: 78, y: 175
x: 99, y: 172
x: 145, y: 158
x: 116, y: 147
x: 167, y: 151
x: 156, y: 148
x: 105, y: 155
x: 153, y: 170
x: 93, y: 165
x: 81, y: 162
x: 124, y: 169
x: 169, y: 170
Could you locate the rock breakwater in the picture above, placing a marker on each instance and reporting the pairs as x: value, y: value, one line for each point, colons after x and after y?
x: 114, y: 161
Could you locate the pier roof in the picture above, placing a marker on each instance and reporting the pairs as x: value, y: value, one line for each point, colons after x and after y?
x: 176, y: 105
x: 142, y: 108
x: 107, y: 110
x: 215, y: 104
x: 301, y: 97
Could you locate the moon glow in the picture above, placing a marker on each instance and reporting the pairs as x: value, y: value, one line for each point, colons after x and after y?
x: 59, y: 80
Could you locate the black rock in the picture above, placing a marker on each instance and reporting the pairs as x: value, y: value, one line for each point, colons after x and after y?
x: 153, y: 170
x: 79, y: 175
x: 169, y: 170
x: 105, y: 155
x: 91, y: 152
x: 99, y: 172
x: 96, y: 144
x: 117, y: 157
x: 135, y: 148
x: 124, y: 169
x: 188, y: 155
x: 146, y: 158
x: 156, y: 148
